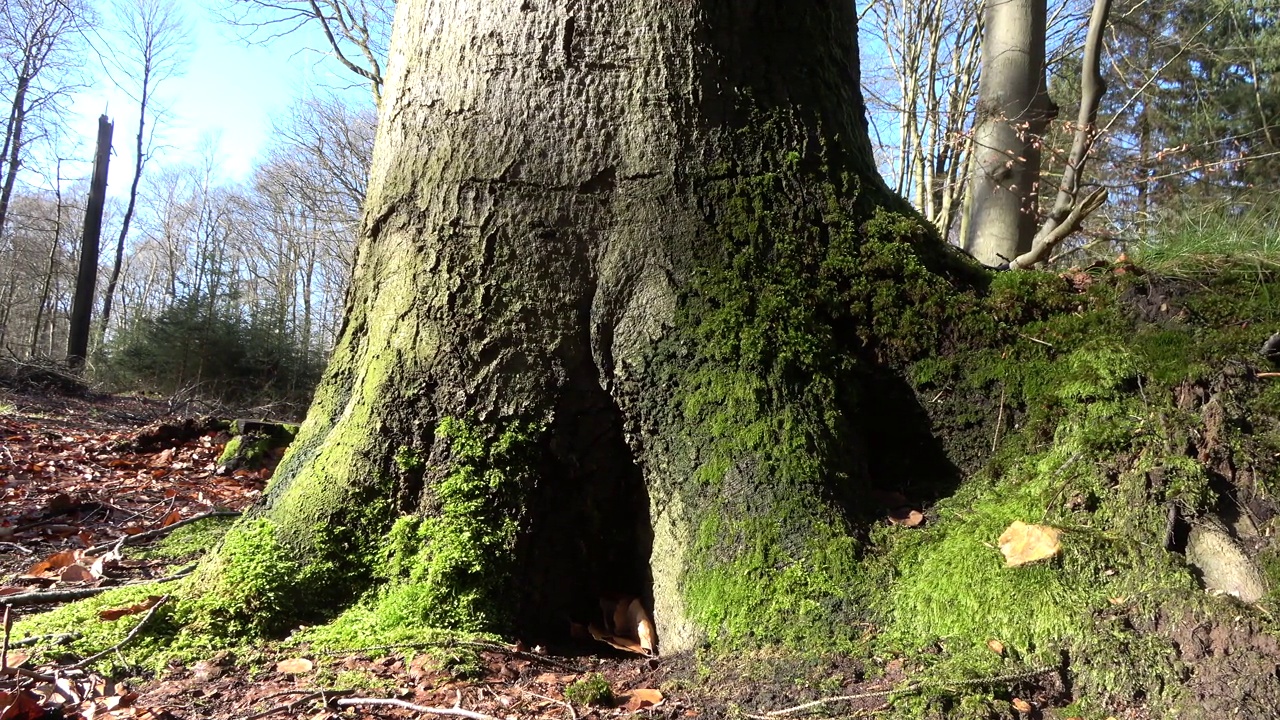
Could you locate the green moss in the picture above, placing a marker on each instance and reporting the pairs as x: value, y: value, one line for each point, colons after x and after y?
x: 248, y: 449
x: 454, y: 568
x: 166, y: 639
x: 593, y: 690
x: 408, y: 460
x: 187, y: 541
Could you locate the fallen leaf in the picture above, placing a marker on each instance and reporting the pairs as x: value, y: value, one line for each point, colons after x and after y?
x: 996, y: 646
x: 906, y: 517
x: 642, y: 698
x: 76, y: 573
x: 164, y: 457
x: 621, y: 643
x: 295, y: 666
x: 1022, y: 543
x: 638, y: 622
x: 1021, y: 705
x: 112, y: 614
x: 57, y: 561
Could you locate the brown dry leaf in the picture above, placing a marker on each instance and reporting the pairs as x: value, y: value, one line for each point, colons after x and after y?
x: 642, y: 698
x: 16, y: 659
x: 23, y: 706
x: 1021, y: 705
x: 1022, y: 543
x: 294, y: 666
x: 76, y: 573
x: 56, y: 561
x: 906, y: 517
x: 638, y: 622
x: 113, y: 614
x: 171, y: 518
x: 996, y: 646
x: 621, y: 643
x: 164, y: 457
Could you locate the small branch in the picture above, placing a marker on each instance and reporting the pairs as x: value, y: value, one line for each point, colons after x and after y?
x: 497, y: 647
x: 53, y: 596
x: 1268, y: 374
x: 356, y: 702
x: 910, y: 687
x: 1035, y: 340
x: 995, y: 439
x: 158, y: 532
x: 307, y: 696
x: 573, y: 714
x: 127, y: 638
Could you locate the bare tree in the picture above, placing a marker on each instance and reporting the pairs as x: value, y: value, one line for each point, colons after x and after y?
x: 156, y: 46
x: 355, y: 32
x: 39, y: 40
x: 930, y: 53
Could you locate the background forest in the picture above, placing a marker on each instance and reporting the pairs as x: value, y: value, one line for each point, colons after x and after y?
x: 233, y: 289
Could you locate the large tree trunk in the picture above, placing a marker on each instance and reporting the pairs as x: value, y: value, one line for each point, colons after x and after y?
x: 1013, y: 112
x: 603, y: 324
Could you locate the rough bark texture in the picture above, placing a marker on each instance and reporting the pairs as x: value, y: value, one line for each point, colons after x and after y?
x: 634, y: 238
x: 1013, y: 111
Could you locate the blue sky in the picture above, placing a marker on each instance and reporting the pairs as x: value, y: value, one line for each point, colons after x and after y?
x: 230, y: 91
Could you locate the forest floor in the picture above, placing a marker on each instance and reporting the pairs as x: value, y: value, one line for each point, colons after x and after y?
x: 89, y: 481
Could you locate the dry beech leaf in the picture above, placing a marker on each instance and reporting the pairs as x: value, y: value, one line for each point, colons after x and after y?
x: 1021, y: 705
x: 1118, y: 600
x: 906, y: 517
x: 76, y: 573
x: 113, y: 614
x: 294, y: 666
x: 1022, y: 543
x: 996, y: 646
x: 642, y: 698
x: 55, y: 561
x: 621, y: 643
x: 638, y: 622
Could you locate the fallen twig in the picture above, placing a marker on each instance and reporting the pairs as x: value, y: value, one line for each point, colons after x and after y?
x: 158, y: 532
x: 908, y: 688
x: 127, y: 638
x: 59, y: 638
x: 573, y: 714
x: 499, y: 647
x: 1268, y: 374
x: 308, y: 695
x: 40, y: 597
x: 460, y: 712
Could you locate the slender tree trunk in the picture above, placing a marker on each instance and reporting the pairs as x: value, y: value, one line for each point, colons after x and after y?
x: 609, y: 264
x: 139, y: 160
x: 1013, y: 112
x: 53, y: 256
x: 13, y: 144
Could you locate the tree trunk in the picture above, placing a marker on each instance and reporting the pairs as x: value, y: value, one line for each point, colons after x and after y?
x: 13, y: 144
x: 1013, y: 111
x: 612, y: 281
x: 139, y: 160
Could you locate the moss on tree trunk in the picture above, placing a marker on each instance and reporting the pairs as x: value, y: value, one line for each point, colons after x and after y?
x: 649, y: 238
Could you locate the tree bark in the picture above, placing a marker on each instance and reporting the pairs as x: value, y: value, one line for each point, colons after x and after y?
x: 609, y: 265
x: 13, y: 144
x: 1013, y: 112
x: 138, y: 162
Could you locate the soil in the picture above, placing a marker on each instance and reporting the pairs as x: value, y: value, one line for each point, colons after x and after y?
x: 83, y: 469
